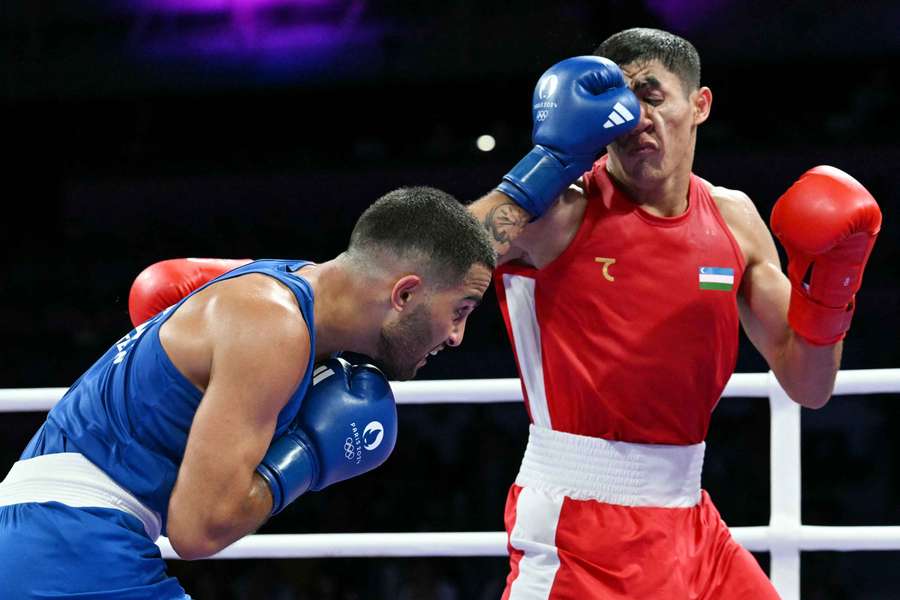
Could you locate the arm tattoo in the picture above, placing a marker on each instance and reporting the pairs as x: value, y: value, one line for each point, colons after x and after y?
x: 505, y: 222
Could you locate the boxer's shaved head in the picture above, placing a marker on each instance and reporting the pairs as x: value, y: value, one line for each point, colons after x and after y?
x: 426, y: 227
x: 641, y: 45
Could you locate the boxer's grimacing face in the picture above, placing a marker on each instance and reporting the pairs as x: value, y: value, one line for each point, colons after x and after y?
x: 434, y: 321
x: 664, y: 138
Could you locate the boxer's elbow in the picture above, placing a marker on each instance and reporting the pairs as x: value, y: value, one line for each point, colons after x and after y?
x: 807, y: 372
x: 195, y: 540
x: 813, y: 390
x: 196, y: 534
x: 190, y: 546
x: 807, y: 392
x: 813, y: 399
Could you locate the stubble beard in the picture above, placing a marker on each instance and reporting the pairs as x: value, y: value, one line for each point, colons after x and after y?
x: 399, y: 349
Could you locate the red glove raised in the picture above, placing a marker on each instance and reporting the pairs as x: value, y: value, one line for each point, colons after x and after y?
x: 827, y: 222
x: 163, y: 284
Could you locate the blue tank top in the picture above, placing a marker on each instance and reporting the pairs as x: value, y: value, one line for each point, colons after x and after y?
x: 131, y: 412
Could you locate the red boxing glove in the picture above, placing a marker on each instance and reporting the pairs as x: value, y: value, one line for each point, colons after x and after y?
x: 827, y: 222
x: 163, y: 284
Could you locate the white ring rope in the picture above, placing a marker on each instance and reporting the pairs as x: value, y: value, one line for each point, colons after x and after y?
x: 784, y: 538
x: 486, y: 391
x: 493, y: 543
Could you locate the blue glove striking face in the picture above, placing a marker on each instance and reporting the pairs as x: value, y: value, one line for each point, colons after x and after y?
x: 579, y: 106
x: 346, y: 426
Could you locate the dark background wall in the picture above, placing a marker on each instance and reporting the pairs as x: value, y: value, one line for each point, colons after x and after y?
x: 149, y: 129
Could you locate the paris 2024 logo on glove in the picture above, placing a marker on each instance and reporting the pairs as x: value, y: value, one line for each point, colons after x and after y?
x: 370, y: 439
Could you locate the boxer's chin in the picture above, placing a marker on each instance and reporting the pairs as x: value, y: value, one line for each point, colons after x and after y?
x: 402, y: 372
x: 400, y: 348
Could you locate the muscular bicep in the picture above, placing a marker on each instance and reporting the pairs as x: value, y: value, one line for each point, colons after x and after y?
x: 259, y: 352
x: 250, y: 382
x: 763, y: 308
x: 765, y: 291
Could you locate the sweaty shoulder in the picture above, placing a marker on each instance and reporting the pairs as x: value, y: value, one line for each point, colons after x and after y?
x: 742, y: 218
x: 254, y: 316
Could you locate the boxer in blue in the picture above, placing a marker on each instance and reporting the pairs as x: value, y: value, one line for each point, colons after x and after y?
x: 210, y: 417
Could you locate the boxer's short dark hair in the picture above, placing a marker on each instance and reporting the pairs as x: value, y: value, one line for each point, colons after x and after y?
x: 425, y: 225
x: 643, y: 45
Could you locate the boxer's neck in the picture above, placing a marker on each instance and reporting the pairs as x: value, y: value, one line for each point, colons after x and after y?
x: 663, y: 196
x: 346, y: 309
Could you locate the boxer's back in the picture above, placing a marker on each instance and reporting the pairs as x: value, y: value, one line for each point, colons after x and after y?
x: 131, y: 412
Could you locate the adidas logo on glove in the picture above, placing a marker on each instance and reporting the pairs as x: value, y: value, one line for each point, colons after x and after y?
x: 619, y: 115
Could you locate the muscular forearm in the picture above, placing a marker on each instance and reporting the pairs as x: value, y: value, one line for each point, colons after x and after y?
x: 203, y: 529
x: 503, y: 219
x: 807, y: 371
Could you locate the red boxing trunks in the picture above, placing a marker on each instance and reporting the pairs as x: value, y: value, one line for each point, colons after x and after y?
x: 588, y: 518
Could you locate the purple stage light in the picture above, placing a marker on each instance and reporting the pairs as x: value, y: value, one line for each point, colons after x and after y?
x: 203, y: 6
x: 686, y: 16
x: 285, y: 36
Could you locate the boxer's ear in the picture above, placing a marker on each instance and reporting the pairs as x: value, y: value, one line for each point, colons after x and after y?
x: 702, y: 103
x: 404, y: 290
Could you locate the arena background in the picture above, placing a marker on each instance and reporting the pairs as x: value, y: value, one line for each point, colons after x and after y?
x: 139, y: 130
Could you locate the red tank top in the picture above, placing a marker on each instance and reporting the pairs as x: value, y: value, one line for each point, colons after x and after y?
x: 632, y: 332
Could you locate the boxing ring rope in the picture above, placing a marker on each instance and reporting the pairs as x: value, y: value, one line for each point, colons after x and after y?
x: 783, y: 538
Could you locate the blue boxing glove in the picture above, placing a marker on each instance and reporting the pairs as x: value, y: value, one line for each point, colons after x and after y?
x: 346, y: 426
x: 579, y: 106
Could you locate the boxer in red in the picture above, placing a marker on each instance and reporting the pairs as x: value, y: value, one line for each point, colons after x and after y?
x: 622, y: 296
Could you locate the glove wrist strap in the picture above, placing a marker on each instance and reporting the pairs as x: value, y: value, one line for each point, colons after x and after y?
x: 536, y: 180
x: 289, y: 469
x: 817, y: 324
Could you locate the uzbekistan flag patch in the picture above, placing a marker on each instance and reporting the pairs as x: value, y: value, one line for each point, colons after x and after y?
x: 716, y: 278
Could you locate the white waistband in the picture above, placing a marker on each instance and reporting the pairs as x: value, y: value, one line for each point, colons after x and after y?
x: 588, y: 468
x: 71, y: 479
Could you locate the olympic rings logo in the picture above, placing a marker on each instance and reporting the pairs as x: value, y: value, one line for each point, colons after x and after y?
x: 349, y: 451
x: 541, y: 115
